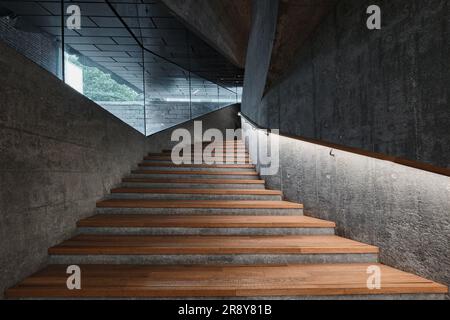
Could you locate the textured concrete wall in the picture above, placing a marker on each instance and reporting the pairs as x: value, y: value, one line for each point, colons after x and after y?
x: 222, y: 119
x: 59, y: 154
x: 224, y: 24
x: 163, y: 114
x: 160, y: 115
x: 262, y: 35
x: 385, y: 91
x: 403, y: 211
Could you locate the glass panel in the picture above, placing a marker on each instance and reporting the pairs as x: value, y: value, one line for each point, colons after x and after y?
x: 105, y: 63
x: 226, y: 97
x: 166, y: 94
x: 204, y: 96
x: 33, y: 28
x: 101, y: 56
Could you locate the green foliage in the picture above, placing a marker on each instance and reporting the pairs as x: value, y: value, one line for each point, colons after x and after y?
x: 100, y: 86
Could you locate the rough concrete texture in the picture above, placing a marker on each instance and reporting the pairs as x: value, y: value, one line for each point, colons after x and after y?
x: 384, y: 90
x: 297, y: 20
x: 60, y: 153
x: 217, y: 259
x: 225, y: 118
x: 202, y: 211
x: 403, y: 211
x: 160, y: 115
x: 262, y: 34
x: 223, y: 24
x: 208, y: 231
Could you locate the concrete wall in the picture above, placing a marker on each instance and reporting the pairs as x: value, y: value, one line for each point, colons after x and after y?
x: 59, y: 154
x: 385, y: 91
x: 262, y: 35
x: 222, y: 119
x: 403, y: 211
x: 224, y: 24
x: 162, y: 114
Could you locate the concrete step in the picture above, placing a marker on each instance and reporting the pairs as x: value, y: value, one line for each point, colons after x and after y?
x: 138, y: 249
x: 129, y: 224
x: 186, y: 174
x: 194, y: 194
x: 199, y: 207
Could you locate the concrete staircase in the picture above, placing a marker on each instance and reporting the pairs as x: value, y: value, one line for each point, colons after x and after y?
x: 212, y: 231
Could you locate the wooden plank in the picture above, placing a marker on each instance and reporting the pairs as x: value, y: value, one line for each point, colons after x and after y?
x: 129, y: 281
x: 194, y: 181
x: 211, y: 173
x: 212, y: 166
x: 218, y: 149
x: 152, y: 221
x: 151, y: 245
x: 165, y: 156
x: 225, y: 204
x: 199, y: 191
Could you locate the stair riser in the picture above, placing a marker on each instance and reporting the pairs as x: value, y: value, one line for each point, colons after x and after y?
x: 208, y: 259
x: 207, y: 231
x: 192, y: 186
x: 192, y: 176
x: 204, y: 152
x: 228, y: 149
x: 168, y: 161
x: 192, y: 196
x: 162, y: 168
x: 373, y: 297
x: 193, y: 211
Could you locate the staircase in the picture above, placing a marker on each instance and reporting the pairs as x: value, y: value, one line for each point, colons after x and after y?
x: 212, y: 231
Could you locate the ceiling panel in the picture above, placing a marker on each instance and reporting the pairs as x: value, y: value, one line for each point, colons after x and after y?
x: 105, y: 39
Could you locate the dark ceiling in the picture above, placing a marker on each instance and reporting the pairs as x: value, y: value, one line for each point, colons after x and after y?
x: 112, y: 31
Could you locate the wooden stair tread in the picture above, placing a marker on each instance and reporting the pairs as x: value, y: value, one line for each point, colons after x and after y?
x: 225, y: 204
x: 221, y: 156
x: 122, y: 281
x: 194, y: 181
x: 149, y: 245
x: 212, y: 166
x: 148, y: 221
x: 199, y: 191
x: 218, y: 149
x: 212, y: 173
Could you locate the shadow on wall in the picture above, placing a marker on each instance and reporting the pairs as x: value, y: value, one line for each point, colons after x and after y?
x: 402, y: 210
